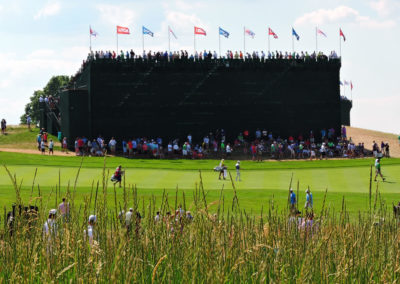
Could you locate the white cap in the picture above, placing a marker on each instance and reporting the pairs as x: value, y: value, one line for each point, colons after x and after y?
x: 92, y: 218
x: 53, y: 212
x: 291, y: 190
x: 131, y: 209
x: 307, y: 190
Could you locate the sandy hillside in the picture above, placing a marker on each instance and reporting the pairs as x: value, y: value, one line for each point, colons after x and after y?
x: 368, y: 136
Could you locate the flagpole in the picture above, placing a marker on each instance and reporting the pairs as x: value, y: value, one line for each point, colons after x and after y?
x: 340, y: 46
x: 142, y: 40
x: 219, y: 42
x: 169, y: 41
x: 194, y: 42
x: 90, y: 39
x: 316, y: 41
x: 351, y: 92
x: 244, y: 42
x: 292, y: 42
x: 117, y: 41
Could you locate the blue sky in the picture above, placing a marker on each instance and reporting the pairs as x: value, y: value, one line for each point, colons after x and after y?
x: 44, y: 38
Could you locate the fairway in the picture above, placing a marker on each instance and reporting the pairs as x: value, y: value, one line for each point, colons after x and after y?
x: 261, y: 182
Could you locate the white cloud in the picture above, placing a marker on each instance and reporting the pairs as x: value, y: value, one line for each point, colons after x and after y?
x: 342, y: 14
x: 117, y: 15
x: 50, y: 9
x: 385, y: 7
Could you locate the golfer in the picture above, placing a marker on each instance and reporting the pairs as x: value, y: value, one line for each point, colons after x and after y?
x: 238, y: 171
x: 378, y: 169
x: 221, y: 169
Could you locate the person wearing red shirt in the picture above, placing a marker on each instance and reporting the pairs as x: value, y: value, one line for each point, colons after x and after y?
x: 117, y: 176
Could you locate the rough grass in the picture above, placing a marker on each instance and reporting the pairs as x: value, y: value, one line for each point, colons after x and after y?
x: 222, y: 244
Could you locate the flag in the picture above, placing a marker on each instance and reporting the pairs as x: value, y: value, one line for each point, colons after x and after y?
x: 93, y: 32
x: 351, y: 85
x: 170, y: 31
x: 342, y: 34
x: 295, y: 34
x: 146, y: 31
x: 250, y: 33
x: 122, y: 30
x: 271, y: 32
x: 223, y: 32
x: 321, y: 32
x: 346, y: 83
x: 199, y: 31
x: 340, y: 82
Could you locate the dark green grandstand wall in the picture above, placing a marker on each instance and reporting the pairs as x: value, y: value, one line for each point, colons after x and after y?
x: 172, y: 99
x: 74, y: 109
x: 346, y: 106
x: 185, y: 97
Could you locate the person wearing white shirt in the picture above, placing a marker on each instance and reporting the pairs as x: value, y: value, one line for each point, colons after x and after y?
x: 50, y: 227
x: 112, y: 144
x: 237, y: 166
x: 90, y: 232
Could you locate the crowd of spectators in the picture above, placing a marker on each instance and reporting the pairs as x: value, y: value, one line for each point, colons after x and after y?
x: 199, y: 56
x: 259, y: 146
x: 207, y: 55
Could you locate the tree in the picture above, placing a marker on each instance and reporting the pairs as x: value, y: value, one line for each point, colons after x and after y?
x: 51, y: 89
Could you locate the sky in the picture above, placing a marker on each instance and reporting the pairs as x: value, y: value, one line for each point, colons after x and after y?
x: 43, y: 38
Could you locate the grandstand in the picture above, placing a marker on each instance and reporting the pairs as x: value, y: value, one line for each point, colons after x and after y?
x: 168, y: 99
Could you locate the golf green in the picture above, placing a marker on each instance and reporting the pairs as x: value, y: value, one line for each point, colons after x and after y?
x: 262, y: 183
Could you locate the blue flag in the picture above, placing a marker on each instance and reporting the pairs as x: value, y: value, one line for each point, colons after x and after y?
x: 340, y: 82
x: 223, y: 32
x: 295, y: 34
x: 147, y: 31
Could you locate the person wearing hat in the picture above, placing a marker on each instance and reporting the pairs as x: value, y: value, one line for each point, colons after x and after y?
x: 128, y: 220
x: 50, y: 226
x: 292, y: 200
x: 117, y: 176
x: 91, y: 228
x: 237, y: 166
x: 309, y: 200
x: 378, y: 169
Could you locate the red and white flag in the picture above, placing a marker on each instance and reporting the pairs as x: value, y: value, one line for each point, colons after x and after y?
x: 271, y: 32
x: 199, y: 31
x: 122, y: 30
x: 93, y: 32
x: 351, y: 85
x: 342, y: 34
x: 321, y: 32
x: 171, y: 32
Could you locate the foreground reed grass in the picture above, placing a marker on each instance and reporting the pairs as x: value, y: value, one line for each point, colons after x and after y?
x: 223, y: 243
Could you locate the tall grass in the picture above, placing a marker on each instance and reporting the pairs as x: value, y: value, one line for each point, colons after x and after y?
x: 223, y: 243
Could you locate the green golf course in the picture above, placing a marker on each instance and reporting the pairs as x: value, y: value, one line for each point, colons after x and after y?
x: 262, y: 184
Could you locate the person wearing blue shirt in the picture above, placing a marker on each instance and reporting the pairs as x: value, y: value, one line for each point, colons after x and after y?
x: 309, y: 199
x: 292, y: 200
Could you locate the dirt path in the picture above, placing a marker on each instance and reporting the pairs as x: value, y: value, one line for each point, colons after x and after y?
x: 359, y: 135
x: 31, y: 151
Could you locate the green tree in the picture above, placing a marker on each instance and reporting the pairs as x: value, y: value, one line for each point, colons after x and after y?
x: 32, y: 108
